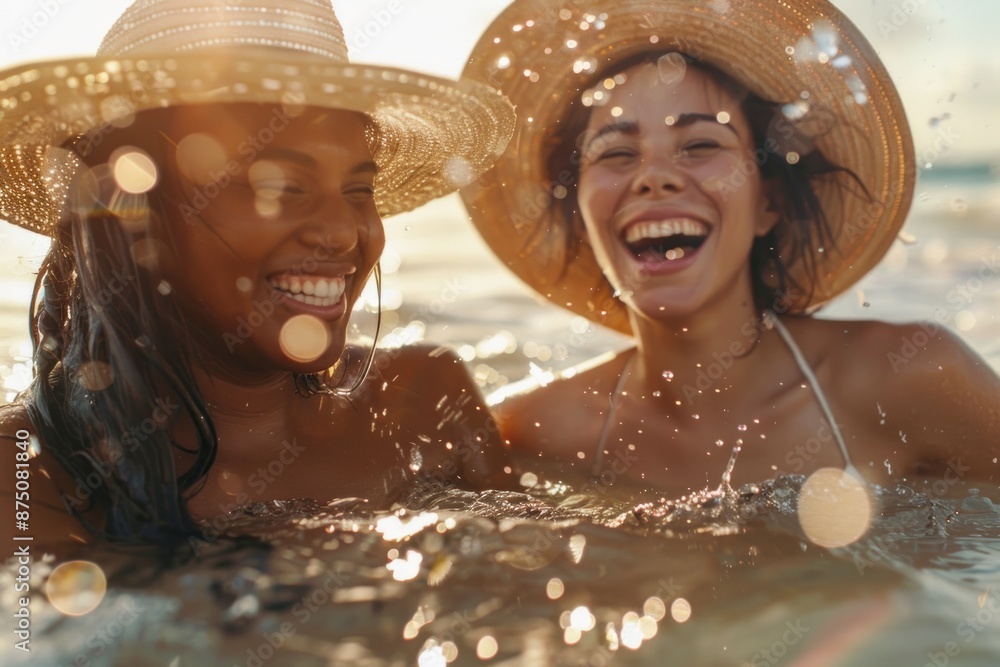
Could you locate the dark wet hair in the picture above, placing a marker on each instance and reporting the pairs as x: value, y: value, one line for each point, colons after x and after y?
x: 111, y: 349
x: 803, y: 225
x: 96, y: 312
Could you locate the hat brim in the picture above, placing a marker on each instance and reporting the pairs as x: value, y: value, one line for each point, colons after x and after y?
x: 543, y: 54
x: 436, y: 135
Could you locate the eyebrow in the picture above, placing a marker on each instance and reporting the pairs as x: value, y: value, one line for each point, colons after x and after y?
x: 631, y: 128
x: 292, y: 155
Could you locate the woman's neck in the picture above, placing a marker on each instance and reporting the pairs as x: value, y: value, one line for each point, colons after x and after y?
x: 683, y: 358
x: 250, y: 418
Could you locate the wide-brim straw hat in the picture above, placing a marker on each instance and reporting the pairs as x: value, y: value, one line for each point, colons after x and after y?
x: 804, y: 54
x: 435, y: 135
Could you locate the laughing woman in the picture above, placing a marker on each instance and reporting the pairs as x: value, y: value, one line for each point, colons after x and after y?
x: 213, y: 191
x: 703, y: 177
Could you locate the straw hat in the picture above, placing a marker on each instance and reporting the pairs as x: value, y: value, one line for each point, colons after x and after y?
x: 436, y: 134
x: 545, y: 54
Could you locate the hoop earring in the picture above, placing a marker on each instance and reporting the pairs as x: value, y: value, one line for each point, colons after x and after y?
x: 370, y: 358
x: 309, y: 384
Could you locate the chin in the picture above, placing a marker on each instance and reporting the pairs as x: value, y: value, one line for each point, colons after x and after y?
x: 658, y: 306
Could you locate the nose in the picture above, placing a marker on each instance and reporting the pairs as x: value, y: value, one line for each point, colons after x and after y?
x: 658, y: 174
x: 340, y: 228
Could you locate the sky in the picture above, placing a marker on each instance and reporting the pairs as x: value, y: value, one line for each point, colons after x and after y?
x: 941, y: 53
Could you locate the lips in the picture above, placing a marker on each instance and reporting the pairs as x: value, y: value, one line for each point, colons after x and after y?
x: 311, y: 290
x: 660, y: 241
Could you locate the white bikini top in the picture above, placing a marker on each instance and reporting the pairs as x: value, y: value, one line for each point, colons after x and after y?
x: 771, y: 321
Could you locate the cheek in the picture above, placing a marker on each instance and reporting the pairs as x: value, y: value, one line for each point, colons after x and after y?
x: 595, y: 198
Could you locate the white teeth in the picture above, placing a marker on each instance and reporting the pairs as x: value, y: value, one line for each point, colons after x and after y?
x: 313, y: 290
x: 658, y: 229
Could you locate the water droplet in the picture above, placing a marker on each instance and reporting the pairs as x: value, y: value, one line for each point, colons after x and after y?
x: 719, y: 443
x: 656, y: 394
x: 668, y: 375
x: 741, y: 427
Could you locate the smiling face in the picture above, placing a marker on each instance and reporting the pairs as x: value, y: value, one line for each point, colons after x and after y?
x: 664, y: 192
x: 275, y: 228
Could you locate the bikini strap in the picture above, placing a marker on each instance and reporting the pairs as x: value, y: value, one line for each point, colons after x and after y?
x: 772, y: 321
x: 615, y: 399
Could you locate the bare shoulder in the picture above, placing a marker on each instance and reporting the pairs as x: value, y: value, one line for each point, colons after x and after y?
x: 433, y: 388
x: 938, y: 395
x: 424, y: 372
x: 27, y: 480
x: 553, y: 415
x: 883, y: 354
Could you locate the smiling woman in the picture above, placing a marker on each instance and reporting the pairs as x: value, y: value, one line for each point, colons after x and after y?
x: 214, y: 194
x: 704, y: 177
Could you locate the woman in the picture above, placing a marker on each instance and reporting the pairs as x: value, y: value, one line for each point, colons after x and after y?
x: 213, y: 184
x: 713, y: 175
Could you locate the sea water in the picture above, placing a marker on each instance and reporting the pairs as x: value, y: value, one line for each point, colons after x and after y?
x: 548, y: 577
x: 551, y: 575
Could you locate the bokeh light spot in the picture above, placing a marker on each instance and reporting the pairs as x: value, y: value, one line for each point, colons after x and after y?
x: 304, y: 338
x: 680, y: 610
x: 486, y: 648
x: 95, y: 375
x: 200, y: 156
x: 835, y: 508
x: 76, y: 587
x: 135, y: 172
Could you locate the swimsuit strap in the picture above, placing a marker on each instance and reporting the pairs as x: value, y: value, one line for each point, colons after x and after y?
x: 772, y: 320
x: 615, y: 399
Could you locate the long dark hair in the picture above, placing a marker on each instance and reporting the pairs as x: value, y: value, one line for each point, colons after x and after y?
x: 110, y: 351
x: 804, y: 224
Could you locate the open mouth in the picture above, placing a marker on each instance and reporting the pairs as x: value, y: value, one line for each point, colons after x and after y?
x: 665, y: 240
x: 321, y: 291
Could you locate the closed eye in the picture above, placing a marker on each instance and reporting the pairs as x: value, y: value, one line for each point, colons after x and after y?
x: 612, y: 155
x: 360, y: 190
x: 701, y: 147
